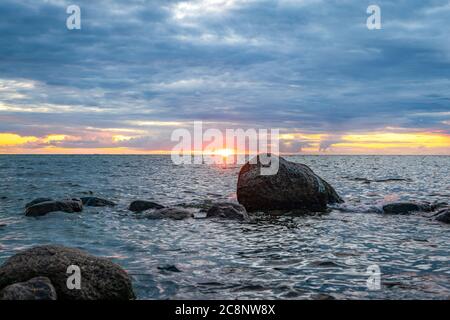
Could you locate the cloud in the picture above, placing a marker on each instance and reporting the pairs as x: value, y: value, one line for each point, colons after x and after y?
x: 309, y: 66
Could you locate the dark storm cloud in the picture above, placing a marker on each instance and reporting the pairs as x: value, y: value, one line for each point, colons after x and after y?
x: 306, y: 64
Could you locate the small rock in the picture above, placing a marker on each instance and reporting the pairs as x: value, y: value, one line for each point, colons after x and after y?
x: 36, y: 201
x: 142, y: 205
x: 39, y: 288
x: 101, y: 279
x: 322, y: 296
x: 42, y: 208
x: 228, y: 210
x: 96, y: 202
x: 406, y: 207
x: 443, y: 215
x: 169, y: 267
x: 170, y: 213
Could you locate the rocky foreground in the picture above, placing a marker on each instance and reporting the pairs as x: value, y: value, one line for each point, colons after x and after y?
x: 40, y: 273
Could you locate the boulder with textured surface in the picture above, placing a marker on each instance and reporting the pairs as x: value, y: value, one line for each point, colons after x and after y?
x: 294, y: 186
x: 100, y: 278
x: 39, y: 288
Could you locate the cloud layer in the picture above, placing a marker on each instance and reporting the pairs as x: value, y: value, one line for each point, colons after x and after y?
x: 138, y: 69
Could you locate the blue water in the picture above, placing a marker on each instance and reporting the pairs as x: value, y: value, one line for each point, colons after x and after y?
x: 274, y: 257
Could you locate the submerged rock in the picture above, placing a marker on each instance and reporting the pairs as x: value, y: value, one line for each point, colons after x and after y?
x: 36, y: 201
x: 294, y: 186
x: 101, y: 279
x: 169, y: 268
x: 169, y: 213
x: 443, y: 215
x: 406, y: 207
x: 42, y: 208
x: 142, y: 205
x: 227, y: 210
x: 96, y: 202
x: 39, y: 288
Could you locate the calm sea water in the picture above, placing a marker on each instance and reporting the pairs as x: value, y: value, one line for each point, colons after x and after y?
x: 285, y: 257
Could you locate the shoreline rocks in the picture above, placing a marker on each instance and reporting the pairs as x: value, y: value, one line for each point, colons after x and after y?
x: 406, y: 207
x: 142, y: 205
x: 227, y: 210
x: 38, y: 288
x: 42, y: 208
x: 96, y: 202
x: 169, y: 213
x: 36, y: 201
x: 443, y: 215
x: 101, y: 279
x: 294, y: 186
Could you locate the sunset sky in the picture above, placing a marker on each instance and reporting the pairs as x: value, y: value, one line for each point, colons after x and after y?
x: 137, y: 70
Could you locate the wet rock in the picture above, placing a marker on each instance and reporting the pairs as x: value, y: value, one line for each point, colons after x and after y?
x: 227, y: 210
x: 42, y: 208
x: 169, y: 213
x: 294, y: 186
x: 36, y: 201
x: 406, y: 207
x: 39, y: 288
x: 96, y: 202
x: 169, y: 267
x: 322, y: 296
x: 443, y: 215
x: 142, y: 205
x: 101, y: 279
x: 438, y: 205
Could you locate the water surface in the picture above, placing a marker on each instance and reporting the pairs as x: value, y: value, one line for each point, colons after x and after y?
x: 285, y: 257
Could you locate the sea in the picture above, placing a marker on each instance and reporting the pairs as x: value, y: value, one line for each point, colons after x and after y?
x: 352, y: 252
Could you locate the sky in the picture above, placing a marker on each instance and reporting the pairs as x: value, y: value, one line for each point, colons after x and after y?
x: 137, y: 70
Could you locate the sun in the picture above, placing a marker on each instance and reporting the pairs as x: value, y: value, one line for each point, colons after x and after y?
x: 224, y: 152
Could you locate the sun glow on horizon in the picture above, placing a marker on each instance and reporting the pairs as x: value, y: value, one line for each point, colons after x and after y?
x: 110, y: 142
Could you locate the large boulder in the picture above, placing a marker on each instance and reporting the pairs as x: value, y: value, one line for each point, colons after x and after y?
x: 96, y: 202
x: 169, y: 213
x: 443, y: 215
x: 406, y: 207
x: 227, y: 210
x: 101, y: 279
x: 294, y: 186
x: 42, y: 208
x: 39, y: 288
x: 142, y: 205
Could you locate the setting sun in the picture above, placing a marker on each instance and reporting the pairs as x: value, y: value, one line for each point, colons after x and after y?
x: 224, y: 152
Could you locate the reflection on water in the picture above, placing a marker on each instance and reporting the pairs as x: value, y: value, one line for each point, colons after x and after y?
x: 284, y: 257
